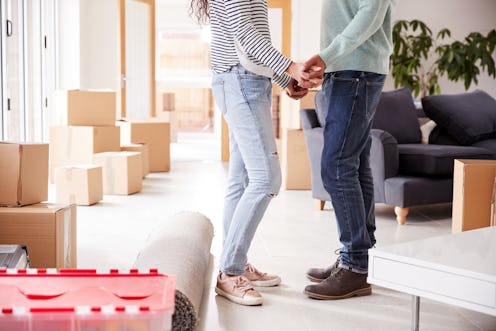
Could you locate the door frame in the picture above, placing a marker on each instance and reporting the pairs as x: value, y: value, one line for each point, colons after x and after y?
x: 122, y: 29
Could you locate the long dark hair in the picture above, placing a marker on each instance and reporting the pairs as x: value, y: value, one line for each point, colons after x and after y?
x: 199, y: 9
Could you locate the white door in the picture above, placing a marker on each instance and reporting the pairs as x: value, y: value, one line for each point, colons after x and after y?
x: 139, y: 66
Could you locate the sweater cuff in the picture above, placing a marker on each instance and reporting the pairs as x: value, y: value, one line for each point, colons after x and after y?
x: 283, y: 80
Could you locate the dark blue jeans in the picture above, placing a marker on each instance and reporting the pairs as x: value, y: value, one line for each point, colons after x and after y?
x: 351, y: 98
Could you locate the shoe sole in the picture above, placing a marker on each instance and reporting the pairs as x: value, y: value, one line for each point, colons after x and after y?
x: 313, y: 279
x: 357, y: 293
x: 238, y: 300
x: 266, y: 283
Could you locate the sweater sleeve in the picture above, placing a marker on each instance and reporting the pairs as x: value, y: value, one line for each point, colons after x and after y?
x: 252, y: 42
x: 365, y: 23
x: 283, y: 80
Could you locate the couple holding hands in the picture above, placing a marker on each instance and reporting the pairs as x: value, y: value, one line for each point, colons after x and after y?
x: 351, y: 66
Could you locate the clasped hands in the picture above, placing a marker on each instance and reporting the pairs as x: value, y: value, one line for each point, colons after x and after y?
x: 304, y: 76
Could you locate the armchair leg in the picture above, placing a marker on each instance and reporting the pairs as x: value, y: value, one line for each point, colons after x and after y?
x: 401, y: 214
x: 319, y: 204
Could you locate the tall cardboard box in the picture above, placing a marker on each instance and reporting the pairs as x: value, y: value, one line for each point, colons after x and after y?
x: 155, y: 133
x: 86, y: 107
x: 48, y: 230
x: 79, y: 184
x: 122, y: 172
x: 23, y: 173
x: 168, y: 101
x: 145, y: 158
x: 71, y: 145
x: 169, y: 116
x: 493, y: 204
x: 296, y: 173
x: 472, y: 193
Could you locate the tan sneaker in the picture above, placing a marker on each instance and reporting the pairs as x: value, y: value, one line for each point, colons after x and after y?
x: 261, y: 279
x: 237, y: 289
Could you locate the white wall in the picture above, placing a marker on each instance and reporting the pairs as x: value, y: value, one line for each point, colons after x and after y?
x: 460, y: 16
x: 100, y: 52
x: 88, y: 44
x: 68, y: 54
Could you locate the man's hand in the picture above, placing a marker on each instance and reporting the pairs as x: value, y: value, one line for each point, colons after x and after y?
x: 306, y: 77
x: 294, y: 91
x: 309, y: 67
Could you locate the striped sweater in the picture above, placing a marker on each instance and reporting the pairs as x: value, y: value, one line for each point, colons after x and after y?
x: 244, y: 22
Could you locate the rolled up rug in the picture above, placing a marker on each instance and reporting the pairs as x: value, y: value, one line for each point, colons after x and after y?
x: 180, y: 246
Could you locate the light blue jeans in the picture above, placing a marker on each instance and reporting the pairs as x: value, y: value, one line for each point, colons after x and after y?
x: 245, y: 100
x: 351, y: 98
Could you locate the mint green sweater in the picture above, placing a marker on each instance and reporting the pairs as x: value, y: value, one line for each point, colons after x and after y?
x: 356, y: 35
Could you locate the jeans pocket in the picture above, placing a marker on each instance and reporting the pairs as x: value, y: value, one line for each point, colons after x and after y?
x: 219, y: 94
x: 344, y: 86
x: 373, y: 94
x: 255, y: 87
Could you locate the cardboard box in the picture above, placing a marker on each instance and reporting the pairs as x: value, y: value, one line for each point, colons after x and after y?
x: 472, y: 193
x: 79, y: 184
x: 122, y: 172
x: 48, y: 230
x: 145, y: 158
x: 295, y: 163
x: 88, y: 108
x: 493, y: 204
x: 155, y: 133
x: 23, y: 173
x: 168, y: 101
x: 169, y: 117
x: 70, y: 145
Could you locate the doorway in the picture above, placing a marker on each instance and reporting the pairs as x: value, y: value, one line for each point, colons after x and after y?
x: 137, y: 29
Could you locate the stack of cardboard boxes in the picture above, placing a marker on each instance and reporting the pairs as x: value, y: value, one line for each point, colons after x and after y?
x: 48, y: 230
x: 86, y: 160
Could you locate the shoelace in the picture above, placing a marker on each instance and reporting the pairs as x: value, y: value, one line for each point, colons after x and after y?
x: 243, y: 284
x: 254, y: 270
x: 336, y: 273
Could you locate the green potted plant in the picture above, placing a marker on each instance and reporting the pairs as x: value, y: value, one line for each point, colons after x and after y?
x: 419, y: 58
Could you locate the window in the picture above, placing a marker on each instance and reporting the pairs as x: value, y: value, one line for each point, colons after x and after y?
x: 24, y: 74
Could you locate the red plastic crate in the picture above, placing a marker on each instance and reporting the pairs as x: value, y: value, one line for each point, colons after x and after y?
x: 85, y: 300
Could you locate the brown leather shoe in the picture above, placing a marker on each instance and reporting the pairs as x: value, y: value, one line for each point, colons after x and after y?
x: 319, y: 274
x: 341, y: 284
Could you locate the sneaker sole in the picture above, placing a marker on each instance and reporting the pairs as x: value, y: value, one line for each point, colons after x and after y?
x: 266, y: 283
x: 238, y: 300
x: 357, y: 293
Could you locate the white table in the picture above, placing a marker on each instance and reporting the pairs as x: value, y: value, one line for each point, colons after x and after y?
x: 457, y: 269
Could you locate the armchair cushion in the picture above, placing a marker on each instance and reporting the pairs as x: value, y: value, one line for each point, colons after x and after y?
x: 435, y: 160
x: 489, y: 144
x: 439, y: 136
x: 467, y: 117
x: 396, y: 114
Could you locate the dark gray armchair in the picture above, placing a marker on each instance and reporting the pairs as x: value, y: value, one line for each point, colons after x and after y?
x: 312, y: 123
x: 406, y: 171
